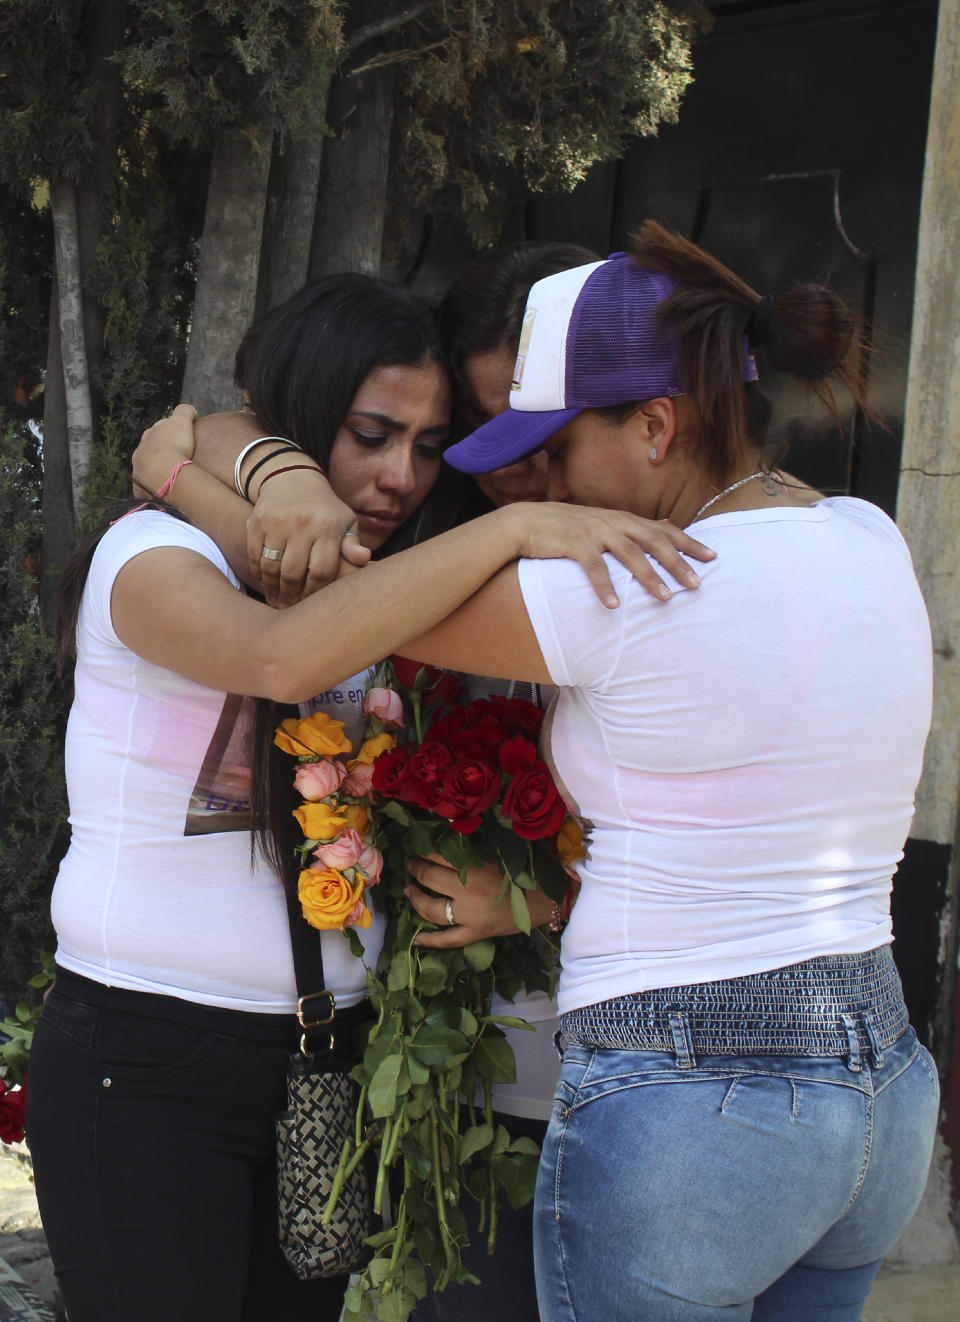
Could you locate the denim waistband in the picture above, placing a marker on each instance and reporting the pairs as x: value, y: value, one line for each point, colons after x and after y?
x: 834, y: 1005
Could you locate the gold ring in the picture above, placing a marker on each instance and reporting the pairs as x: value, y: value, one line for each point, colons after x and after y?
x: 448, y: 913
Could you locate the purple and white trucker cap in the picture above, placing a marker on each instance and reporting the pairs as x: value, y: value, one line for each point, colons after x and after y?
x: 590, y: 338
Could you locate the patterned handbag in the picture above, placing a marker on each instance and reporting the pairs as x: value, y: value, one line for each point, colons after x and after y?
x: 321, y: 1105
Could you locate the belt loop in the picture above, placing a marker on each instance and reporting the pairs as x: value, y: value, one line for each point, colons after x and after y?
x: 854, y: 1062
x: 870, y: 1028
x: 682, y: 1040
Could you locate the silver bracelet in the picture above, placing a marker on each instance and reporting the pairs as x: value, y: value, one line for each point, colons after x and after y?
x: 252, y: 445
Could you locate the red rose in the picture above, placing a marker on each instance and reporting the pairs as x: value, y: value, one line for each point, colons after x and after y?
x: 407, y: 671
x: 393, y: 776
x: 478, y: 744
x: 430, y: 761
x: 441, y: 731
x: 517, y: 755
x: 518, y: 712
x: 469, y: 789
x: 439, y: 685
x: 11, y: 1113
x: 533, y: 805
x: 446, y: 689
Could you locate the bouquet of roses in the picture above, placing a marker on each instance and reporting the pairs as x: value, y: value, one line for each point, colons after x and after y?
x: 340, y: 861
x: 465, y: 782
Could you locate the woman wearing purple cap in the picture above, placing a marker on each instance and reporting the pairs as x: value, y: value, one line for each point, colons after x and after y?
x: 744, y: 1119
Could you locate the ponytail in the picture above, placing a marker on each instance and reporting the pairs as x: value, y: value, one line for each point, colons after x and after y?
x: 807, y: 332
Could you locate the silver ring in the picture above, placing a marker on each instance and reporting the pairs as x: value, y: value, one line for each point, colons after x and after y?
x: 268, y: 553
x: 448, y: 913
x: 351, y: 532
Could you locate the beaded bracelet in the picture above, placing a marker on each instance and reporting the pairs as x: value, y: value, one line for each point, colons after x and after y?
x: 247, y: 449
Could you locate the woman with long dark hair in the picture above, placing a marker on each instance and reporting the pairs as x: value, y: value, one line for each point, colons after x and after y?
x: 158, y: 1066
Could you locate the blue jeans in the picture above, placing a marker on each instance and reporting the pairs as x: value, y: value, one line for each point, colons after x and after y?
x: 678, y: 1185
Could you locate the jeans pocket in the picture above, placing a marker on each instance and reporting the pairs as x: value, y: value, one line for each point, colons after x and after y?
x: 71, y: 1018
x: 134, y: 1045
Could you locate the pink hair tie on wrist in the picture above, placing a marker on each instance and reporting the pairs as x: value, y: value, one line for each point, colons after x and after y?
x: 160, y: 495
x: 168, y: 485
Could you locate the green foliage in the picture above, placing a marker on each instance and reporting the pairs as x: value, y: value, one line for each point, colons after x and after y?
x: 25, y: 243
x: 46, y: 91
x: 17, y: 1028
x: 32, y: 718
x: 143, y: 279
x: 231, y: 64
x: 536, y: 88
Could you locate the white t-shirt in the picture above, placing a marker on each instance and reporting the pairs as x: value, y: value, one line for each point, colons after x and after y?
x: 747, y: 753
x: 157, y: 891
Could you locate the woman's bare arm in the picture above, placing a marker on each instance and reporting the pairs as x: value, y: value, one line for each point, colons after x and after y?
x: 308, y: 528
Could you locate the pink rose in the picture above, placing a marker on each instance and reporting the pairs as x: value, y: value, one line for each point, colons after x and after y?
x: 315, y: 780
x: 370, y: 864
x: 342, y: 853
x: 386, y: 705
x: 357, y: 782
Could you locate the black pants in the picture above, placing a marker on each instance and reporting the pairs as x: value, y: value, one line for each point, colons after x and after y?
x: 151, y: 1124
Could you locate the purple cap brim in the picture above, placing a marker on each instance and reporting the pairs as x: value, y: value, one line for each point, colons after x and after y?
x: 510, y: 436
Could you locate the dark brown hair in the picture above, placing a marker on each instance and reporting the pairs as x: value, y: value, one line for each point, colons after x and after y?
x: 808, y: 332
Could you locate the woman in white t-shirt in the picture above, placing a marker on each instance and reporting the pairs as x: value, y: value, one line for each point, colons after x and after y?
x: 744, y: 1118
x: 158, y: 1067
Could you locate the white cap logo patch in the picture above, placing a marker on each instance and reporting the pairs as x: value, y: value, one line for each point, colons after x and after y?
x: 526, y: 332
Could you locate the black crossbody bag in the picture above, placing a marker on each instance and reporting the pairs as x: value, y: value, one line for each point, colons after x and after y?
x: 311, y: 1132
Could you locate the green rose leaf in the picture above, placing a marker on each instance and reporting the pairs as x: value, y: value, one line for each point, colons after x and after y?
x: 514, y: 853
x: 439, y: 1046
x: 399, y: 975
x: 550, y: 874
x: 493, y: 1058
x: 397, y: 811
x: 519, y: 1176
x: 432, y: 976
x: 475, y: 1139
x: 479, y: 954
x: 382, y: 1094
x: 519, y: 908
x: 510, y: 1021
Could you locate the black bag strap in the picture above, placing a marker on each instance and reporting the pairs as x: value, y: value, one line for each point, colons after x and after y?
x: 316, y: 1008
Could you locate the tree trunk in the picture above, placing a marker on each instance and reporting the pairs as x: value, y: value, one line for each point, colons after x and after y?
x: 288, y: 223
x: 352, y: 201
x: 103, y: 38
x: 73, y: 349
x: 226, y: 294
x: 58, y: 521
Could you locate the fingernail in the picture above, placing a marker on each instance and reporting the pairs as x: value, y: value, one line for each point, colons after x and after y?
x: 611, y: 600
x: 663, y: 592
x: 691, y: 579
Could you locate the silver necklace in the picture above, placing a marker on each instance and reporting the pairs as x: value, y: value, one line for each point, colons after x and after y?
x: 726, y: 492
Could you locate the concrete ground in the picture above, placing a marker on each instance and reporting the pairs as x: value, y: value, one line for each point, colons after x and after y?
x: 930, y: 1294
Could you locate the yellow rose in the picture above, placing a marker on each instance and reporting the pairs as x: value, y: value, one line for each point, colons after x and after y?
x: 329, y: 900
x: 319, y: 821
x: 356, y: 816
x: 570, y: 842
x: 318, y: 733
x: 371, y: 749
